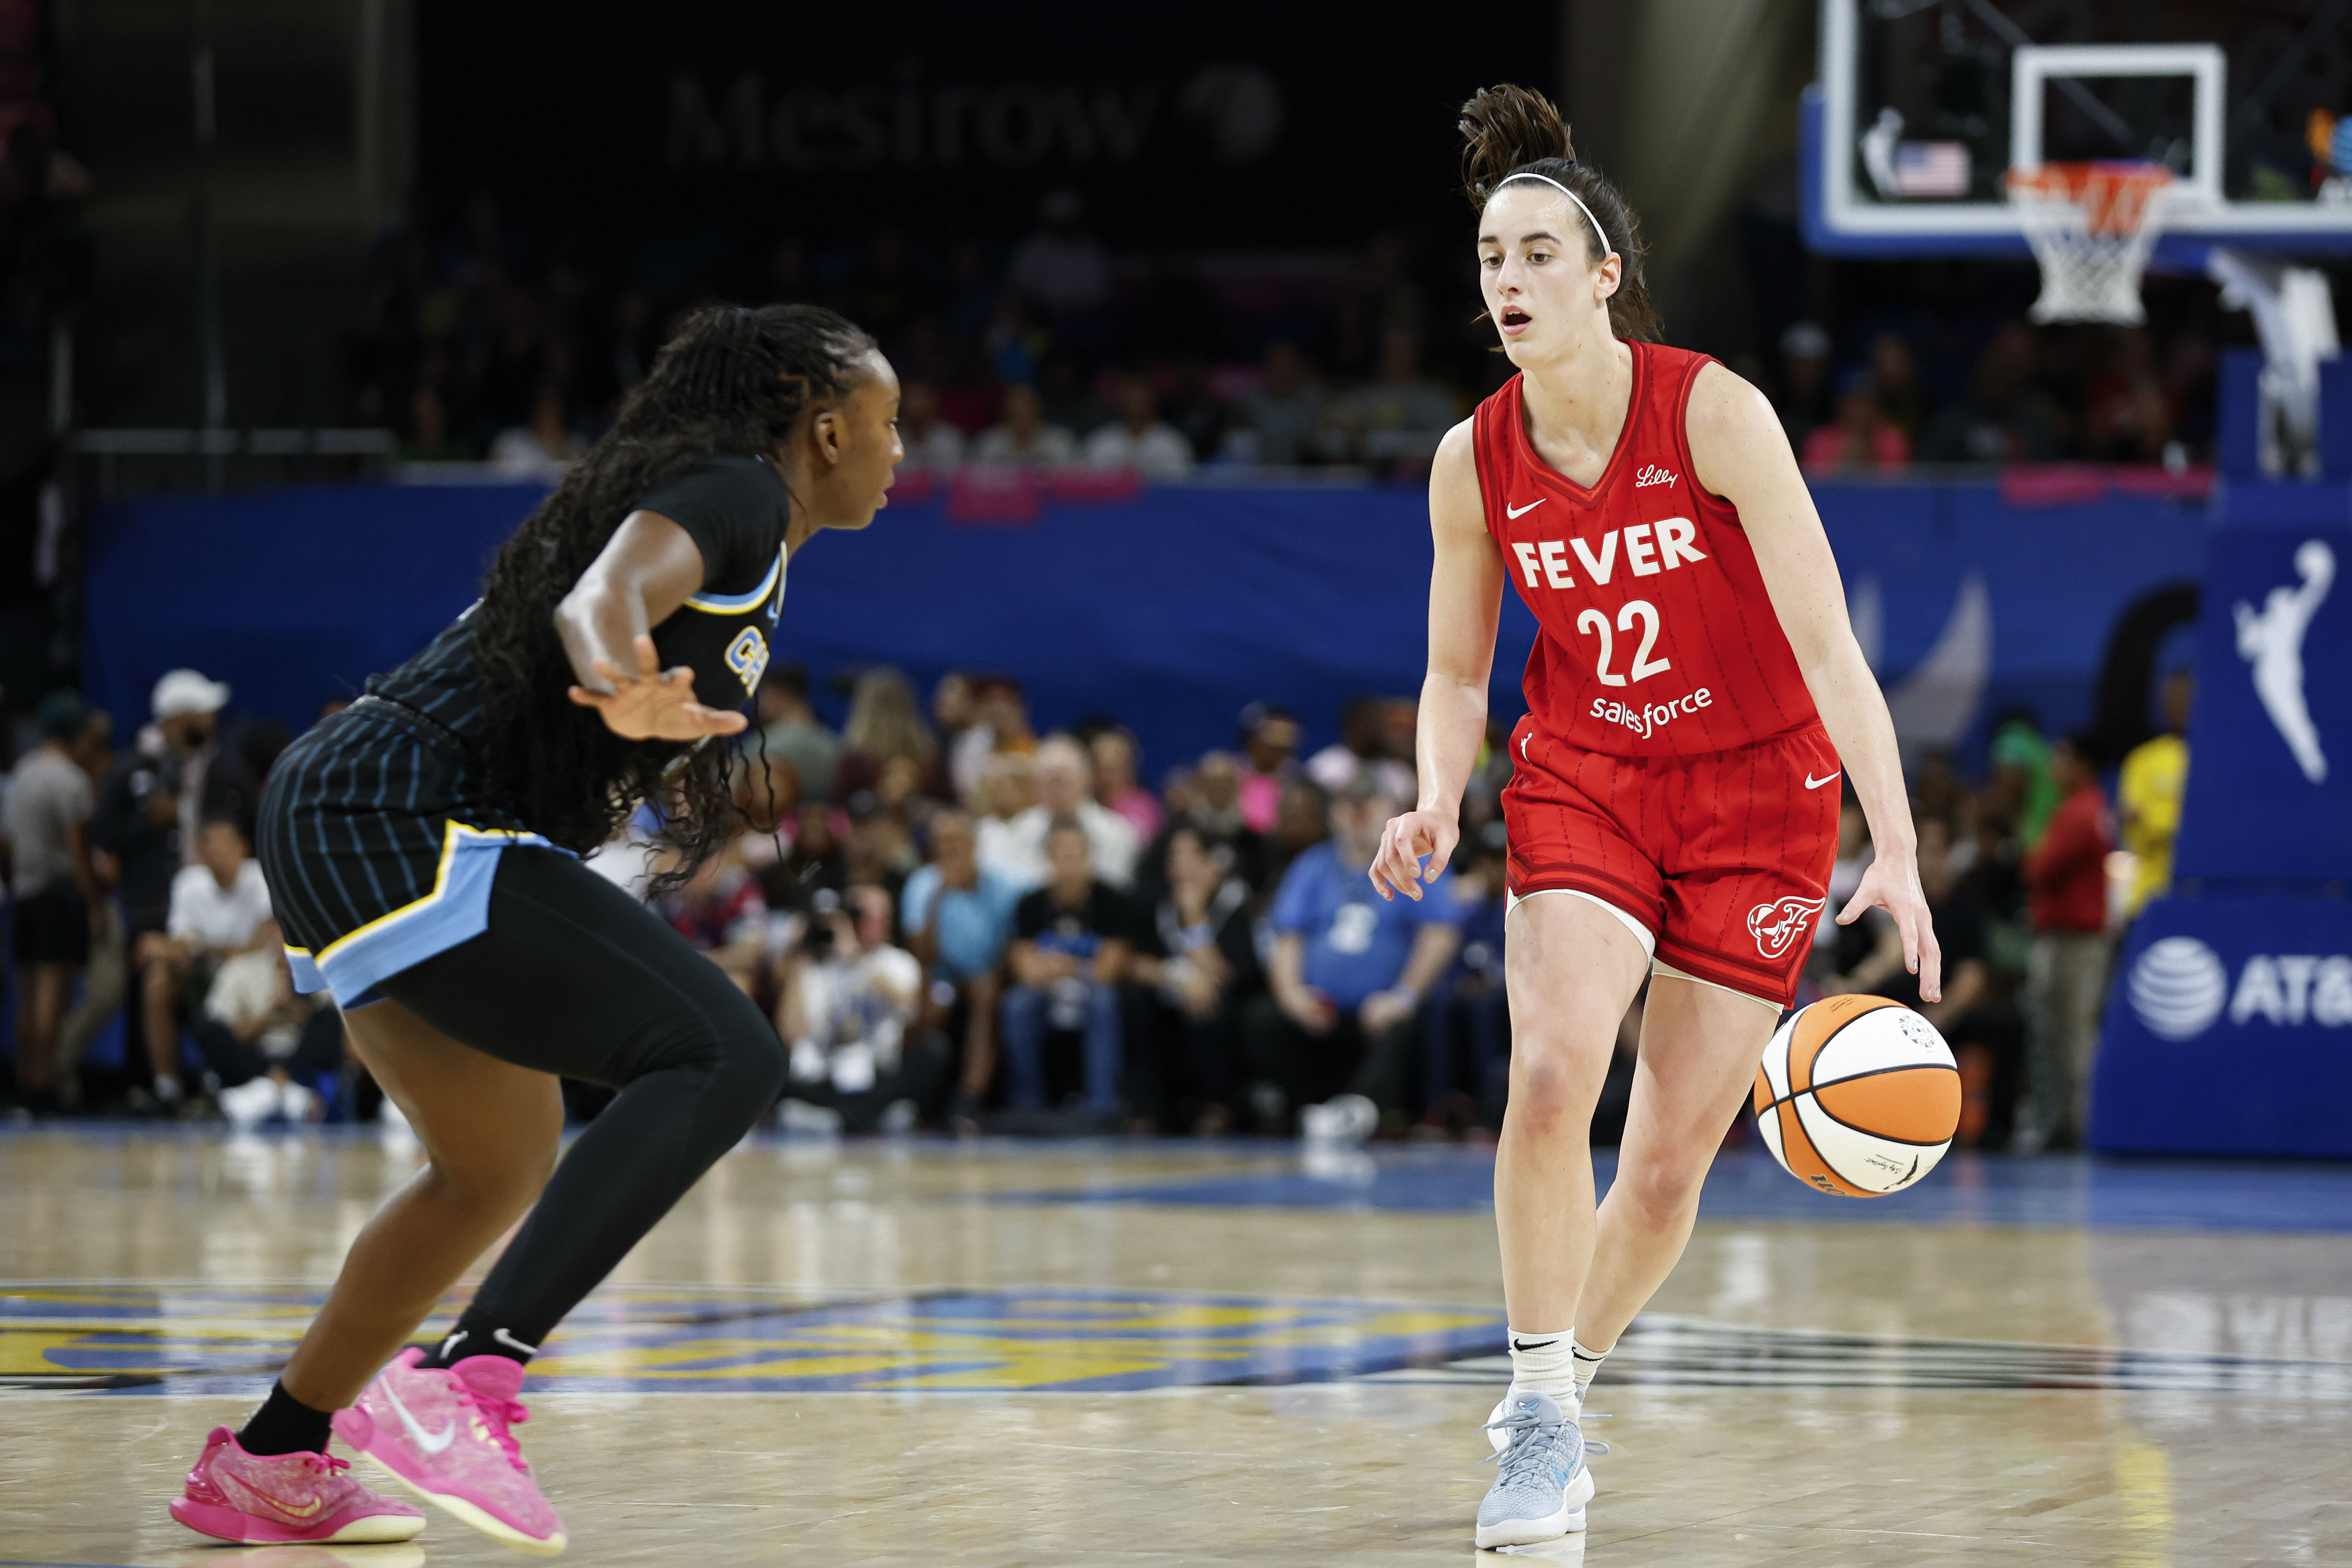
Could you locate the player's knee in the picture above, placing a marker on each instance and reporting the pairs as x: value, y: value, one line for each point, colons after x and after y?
x: 1552, y: 1088
x: 1663, y: 1185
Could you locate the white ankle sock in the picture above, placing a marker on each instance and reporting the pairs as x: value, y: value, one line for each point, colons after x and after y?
x: 167, y: 1088
x: 1587, y: 1361
x: 1543, y: 1362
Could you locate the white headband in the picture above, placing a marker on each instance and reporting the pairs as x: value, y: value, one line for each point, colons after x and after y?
x: 1529, y: 174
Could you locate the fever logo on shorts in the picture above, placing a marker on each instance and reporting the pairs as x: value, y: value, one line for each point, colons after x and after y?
x: 1777, y: 927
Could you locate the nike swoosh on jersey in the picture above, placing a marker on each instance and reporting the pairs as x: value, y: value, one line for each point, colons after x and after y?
x: 1813, y: 783
x: 1510, y: 510
x: 432, y: 1443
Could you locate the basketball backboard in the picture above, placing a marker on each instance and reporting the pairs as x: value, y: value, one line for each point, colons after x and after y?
x: 1923, y: 105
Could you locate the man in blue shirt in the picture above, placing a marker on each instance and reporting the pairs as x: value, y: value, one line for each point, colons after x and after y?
x: 1349, y: 970
x: 958, y: 918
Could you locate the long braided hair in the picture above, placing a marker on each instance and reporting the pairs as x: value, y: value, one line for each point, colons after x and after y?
x: 730, y: 380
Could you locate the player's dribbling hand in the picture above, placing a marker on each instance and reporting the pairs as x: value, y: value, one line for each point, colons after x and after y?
x: 654, y: 704
x: 1398, y: 867
x: 1892, y: 884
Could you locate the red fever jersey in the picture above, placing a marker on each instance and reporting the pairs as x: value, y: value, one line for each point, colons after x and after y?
x: 1657, y: 637
x: 1672, y: 764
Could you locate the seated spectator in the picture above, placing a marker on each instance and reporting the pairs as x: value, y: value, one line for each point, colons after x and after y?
x: 1196, y: 956
x: 1347, y: 977
x: 885, y: 722
x: 1399, y: 414
x: 1070, y: 946
x: 815, y: 863
x: 1138, y: 438
x: 1269, y: 742
x: 1301, y: 820
x: 1193, y: 407
x: 1279, y: 420
x: 1207, y: 800
x: 998, y: 722
x: 958, y: 918
x: 542, y: 449
x: 850, y: 1009
x: 790, y: 730
x: 429, y: 438
x: 722, y: 912
x: 1895, y: 379
x: 2003, y: 417
x: 879, y: 851
x: 1070, y: 397
x: 1060, y: 267
x: 1024, y: 441
x: 1364, y: 743
x: 2128, y: 417
x: 1016, y: 848
x: 264, y: 1045
x: 1468, y: 1064
x: 1116, y: 786
x: 1861, y: 437
x: 932, y: 443
x: 220, y: 908
x: 1804, y: 400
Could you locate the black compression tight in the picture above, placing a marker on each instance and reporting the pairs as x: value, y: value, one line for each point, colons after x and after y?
x: 574, y: 977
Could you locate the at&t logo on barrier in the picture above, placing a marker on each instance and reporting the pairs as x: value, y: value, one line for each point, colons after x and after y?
x: 2179, y: 988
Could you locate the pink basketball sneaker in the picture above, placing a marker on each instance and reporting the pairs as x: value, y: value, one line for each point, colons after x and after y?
x: 303, y: 1499
x: 444, y: 1435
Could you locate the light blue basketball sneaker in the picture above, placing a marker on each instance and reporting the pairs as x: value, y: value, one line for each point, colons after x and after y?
x: 1543, y: 1485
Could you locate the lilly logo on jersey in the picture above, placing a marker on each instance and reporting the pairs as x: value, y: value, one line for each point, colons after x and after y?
x: 1777, y: 927
x: 1652, y: 474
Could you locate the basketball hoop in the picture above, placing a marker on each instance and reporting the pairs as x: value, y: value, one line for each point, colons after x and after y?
x: 2092, y: 226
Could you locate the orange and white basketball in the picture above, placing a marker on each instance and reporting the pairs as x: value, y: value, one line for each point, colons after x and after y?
x: 1857, y: 1096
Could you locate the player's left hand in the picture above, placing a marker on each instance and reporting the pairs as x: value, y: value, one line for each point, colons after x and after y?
x: 1892, y: 884
x: 654, y: 704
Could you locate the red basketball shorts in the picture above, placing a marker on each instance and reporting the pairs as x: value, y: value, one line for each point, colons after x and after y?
x: 1724, y: 857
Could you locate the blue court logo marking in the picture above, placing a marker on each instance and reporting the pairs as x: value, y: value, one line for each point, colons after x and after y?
x: 683, y: 1340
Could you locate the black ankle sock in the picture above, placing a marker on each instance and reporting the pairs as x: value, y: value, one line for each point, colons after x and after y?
x: 284, y: 1425
x: 478, y: 1334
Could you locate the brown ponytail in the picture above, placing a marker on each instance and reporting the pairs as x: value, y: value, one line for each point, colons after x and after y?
x: 1510, y: 131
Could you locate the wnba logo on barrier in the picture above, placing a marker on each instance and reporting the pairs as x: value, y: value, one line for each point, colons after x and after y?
x: 1776, y: 927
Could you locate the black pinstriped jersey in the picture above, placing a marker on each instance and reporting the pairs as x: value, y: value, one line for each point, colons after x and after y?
x: 736, y: 509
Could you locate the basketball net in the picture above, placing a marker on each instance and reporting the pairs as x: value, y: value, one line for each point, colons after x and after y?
x: 2092, y: 226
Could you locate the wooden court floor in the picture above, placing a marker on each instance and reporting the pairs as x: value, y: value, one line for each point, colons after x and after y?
x: 925, y: 1353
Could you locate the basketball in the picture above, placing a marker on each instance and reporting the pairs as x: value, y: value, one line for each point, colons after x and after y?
x: 1857, y: 1096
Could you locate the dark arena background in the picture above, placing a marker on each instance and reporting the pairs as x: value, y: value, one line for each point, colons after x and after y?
x: 305, y: 308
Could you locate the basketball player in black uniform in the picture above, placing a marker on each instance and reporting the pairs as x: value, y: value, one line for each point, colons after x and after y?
x: 421, y: 851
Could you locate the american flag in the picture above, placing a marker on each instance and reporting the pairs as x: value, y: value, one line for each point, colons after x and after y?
x: 1931, y: 168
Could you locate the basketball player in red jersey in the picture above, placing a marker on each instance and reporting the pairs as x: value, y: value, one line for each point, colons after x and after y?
x: 1694, y: 696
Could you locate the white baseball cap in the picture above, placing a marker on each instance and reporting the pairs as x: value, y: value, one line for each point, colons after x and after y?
x: 187, y: 692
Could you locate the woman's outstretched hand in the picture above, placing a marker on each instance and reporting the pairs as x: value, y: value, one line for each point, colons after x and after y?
x: 1397, y: 868
x: 654, y: 704
x: 1892, y: 883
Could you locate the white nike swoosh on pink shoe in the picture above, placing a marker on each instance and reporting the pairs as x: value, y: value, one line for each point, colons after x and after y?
x: 431, y: 1442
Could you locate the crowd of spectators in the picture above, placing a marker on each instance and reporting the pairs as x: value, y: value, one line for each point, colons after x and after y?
x: 484, y: 342
x: 957, y: 922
